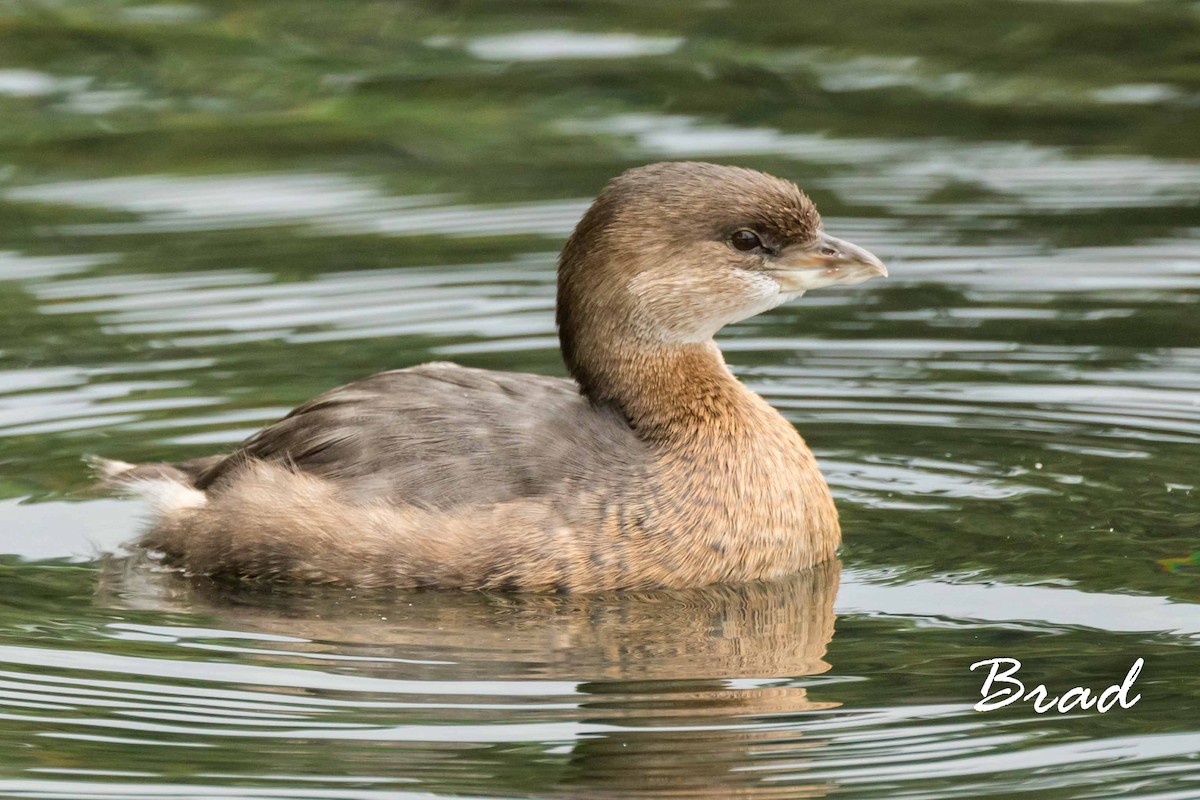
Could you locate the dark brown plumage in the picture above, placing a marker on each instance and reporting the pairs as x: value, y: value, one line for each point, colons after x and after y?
x: 655, y: 467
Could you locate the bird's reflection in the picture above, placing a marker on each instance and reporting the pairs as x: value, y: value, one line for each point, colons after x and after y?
x: 677, y: 694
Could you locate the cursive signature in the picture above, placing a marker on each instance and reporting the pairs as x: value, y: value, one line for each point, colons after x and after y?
x: 1001, y: 688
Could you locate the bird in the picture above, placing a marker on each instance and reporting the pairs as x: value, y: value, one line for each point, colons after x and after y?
x: 651, y: 467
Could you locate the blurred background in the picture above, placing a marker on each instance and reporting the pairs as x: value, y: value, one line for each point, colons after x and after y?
x: 211, y: 211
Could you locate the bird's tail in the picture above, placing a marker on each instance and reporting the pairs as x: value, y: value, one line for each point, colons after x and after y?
x: 167, y: 488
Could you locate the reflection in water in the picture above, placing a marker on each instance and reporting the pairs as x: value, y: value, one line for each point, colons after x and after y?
x: 906, y: 176
x: 334, y: 203
x: 549, y: 45
x: 683, y: 693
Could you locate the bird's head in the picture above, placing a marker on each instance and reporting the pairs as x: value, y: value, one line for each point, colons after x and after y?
x: 670, y: 253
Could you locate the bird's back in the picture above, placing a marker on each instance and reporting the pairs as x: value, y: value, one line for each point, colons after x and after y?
x: 439, y: 436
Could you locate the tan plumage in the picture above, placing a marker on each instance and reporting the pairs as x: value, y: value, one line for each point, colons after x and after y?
x: 655, y: 467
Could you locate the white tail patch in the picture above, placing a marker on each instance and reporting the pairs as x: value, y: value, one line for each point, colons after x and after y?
x: 107, y: 469
x: 165, y: 496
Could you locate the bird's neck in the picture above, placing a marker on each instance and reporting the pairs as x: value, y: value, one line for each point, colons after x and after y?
x: 673, y: 392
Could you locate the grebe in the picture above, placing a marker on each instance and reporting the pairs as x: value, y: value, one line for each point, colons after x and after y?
x: 654, y: 467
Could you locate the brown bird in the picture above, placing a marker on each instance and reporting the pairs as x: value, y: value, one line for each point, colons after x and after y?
x: 654, y: 467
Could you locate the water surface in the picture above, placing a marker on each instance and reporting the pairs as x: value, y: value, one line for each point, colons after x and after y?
x: 210, y: 212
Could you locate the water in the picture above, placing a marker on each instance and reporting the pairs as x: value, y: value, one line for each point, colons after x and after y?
x: 212, y: 211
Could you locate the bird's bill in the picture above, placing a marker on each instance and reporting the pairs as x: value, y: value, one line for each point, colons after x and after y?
x: 828, y: 262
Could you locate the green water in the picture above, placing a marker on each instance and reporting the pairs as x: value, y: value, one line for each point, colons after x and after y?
x: 211, y: 211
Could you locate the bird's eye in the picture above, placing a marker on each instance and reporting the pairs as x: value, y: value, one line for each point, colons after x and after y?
x: 745, y: 240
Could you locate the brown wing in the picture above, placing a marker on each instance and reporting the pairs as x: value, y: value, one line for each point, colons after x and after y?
x: 441, y: 435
